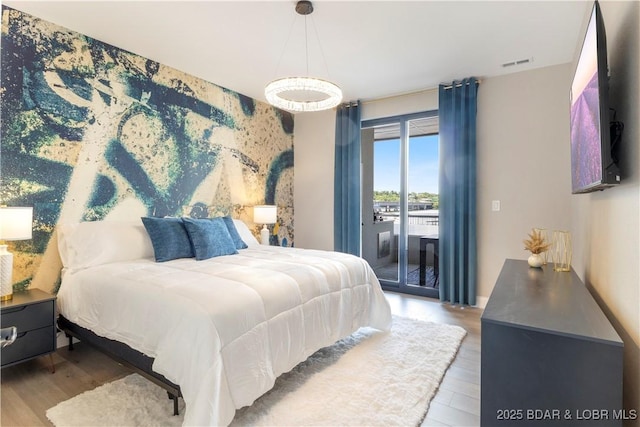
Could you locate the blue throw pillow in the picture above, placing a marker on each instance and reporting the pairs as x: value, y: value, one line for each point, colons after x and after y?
x: 209, y: 237
x: 169, y: 238
x: 233, y: 232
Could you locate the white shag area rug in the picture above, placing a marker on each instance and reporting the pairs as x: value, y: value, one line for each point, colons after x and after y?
x: 370, y: 378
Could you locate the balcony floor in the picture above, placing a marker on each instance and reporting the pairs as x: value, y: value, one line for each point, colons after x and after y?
x: 390, y: 272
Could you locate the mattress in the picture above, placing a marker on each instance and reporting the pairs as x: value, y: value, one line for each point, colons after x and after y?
x: 225, y: 328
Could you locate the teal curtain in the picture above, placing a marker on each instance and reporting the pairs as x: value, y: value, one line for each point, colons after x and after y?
x: 458, y: 260
x: 346, y: 228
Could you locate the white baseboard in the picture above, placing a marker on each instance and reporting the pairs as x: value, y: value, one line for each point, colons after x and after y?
x: 481, y: 302
x: 63, y: 341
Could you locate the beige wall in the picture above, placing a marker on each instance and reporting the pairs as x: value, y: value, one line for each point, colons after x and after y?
x: 523, y: 161
x: 314, y: 136
x: 397, y: 105
x: 606, y: 225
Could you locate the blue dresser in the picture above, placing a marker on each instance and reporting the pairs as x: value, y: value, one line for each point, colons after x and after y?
x: 549, y: 356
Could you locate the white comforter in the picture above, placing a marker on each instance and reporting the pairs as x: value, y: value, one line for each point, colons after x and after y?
x: 225, y: 328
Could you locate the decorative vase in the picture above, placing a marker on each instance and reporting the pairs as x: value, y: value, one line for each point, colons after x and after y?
x: 6, y: 274
x: 545, y: 235
x: 562, y: 250
x: 535, y: 260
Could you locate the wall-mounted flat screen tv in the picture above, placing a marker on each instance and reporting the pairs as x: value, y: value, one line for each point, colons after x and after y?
x: 592, y: 167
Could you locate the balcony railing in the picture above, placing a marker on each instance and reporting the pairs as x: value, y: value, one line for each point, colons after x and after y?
x: 420, y: 223
x: 422, y: 218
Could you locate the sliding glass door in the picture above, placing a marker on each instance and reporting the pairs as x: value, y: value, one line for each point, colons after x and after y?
x: 400, y: 201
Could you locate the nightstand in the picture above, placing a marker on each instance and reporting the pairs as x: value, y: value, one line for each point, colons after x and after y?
x: 33, y: 313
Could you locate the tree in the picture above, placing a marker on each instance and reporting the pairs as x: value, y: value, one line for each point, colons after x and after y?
x: 414, y: 197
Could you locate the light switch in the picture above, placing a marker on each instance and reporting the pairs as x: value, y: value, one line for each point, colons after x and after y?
x: 495, y: 205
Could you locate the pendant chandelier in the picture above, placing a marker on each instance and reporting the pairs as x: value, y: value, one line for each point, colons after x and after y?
x: 299, y: 94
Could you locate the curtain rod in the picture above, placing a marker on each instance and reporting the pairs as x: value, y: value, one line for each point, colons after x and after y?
x: 369, y: 101
x: 460, y: 85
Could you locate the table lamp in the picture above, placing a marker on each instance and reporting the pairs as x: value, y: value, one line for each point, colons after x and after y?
x: 15, y: 224
x: 265, y: 214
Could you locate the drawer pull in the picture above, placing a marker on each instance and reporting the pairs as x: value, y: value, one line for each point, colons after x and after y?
x: 8, y: 336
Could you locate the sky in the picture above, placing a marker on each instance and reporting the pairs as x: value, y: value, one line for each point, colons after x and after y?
x: 423, y: 165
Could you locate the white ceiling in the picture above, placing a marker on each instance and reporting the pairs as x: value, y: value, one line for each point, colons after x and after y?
x: 372, y: 49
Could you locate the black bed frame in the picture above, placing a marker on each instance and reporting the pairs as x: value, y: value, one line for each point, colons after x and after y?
x: 123, y: 354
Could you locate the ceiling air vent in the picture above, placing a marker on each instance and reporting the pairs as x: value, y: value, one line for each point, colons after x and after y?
x: 518, y: 62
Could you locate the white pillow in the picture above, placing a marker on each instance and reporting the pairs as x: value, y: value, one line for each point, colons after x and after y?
x: 245, y: 233
x: 87, y: 244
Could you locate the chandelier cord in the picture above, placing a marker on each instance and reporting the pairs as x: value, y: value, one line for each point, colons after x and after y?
x: 324, y: 59
x: 284, y: 49
x: 306, y: 43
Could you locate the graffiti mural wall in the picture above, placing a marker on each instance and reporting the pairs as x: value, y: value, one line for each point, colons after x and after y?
x: 93, y: 132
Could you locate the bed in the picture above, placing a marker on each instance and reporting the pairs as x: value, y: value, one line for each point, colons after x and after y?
x: 217, y: 331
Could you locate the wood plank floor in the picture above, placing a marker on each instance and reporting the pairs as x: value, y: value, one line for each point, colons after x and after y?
x: 29, y: 389
x: 457, y: 402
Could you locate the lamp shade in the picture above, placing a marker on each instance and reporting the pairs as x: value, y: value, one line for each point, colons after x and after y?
x: 16, y: 223
x: 265, y: 214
